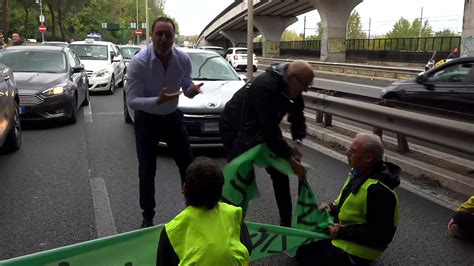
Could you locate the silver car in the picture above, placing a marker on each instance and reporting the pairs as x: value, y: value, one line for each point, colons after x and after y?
x: 202, y: 113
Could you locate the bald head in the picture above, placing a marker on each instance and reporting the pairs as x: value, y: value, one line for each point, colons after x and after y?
x: 299, y: 77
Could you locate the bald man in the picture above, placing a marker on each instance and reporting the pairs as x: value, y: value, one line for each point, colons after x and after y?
x: 253, y: 116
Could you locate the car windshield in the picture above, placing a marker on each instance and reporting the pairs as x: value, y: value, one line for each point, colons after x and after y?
x: 129, y: 52
x: 207, y: 66
x: 90, y: 51
x: 34, y: 61
x: 220, y: 52
x: 241, y: 51
x: 60, y: 44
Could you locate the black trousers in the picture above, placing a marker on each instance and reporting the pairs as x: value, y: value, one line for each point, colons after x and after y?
x: 281, y: 182
x: 324, y: 253
x: 149, y: 129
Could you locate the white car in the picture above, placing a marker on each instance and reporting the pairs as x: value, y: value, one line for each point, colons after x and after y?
x: 202, y: 113
x: 103, y: 63
x: 237, y: 58
x: 219, y: 50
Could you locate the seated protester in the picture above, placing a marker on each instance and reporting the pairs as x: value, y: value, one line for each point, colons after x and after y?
x: 462, y: 223
x: 366, y: 213
x: 207, y: 231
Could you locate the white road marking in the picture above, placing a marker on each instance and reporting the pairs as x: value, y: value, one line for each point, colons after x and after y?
x: 88, y: 113
x: 104, y: 219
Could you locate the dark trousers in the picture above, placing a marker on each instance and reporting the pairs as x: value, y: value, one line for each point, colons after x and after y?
x: 281, y: 182
x: 324, y: 253
x: 149, y: 129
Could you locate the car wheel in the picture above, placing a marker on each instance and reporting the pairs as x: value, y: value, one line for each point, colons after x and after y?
x: 112, y: 85
x: 73, y: 116
x: 391, y: 100
x: 126, y: 114
x: 13, y: 140
x: 86, y: 99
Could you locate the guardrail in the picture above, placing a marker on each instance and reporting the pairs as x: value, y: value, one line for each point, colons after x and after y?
x: 443, y: 132
x: 365, y: 70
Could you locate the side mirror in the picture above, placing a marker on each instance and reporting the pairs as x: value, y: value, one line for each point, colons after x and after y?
x: 77, y: 69
x: 243, y: 77
x: 420, y: 79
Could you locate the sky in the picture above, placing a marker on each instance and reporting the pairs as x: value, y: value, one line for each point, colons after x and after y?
x: 194, y: 15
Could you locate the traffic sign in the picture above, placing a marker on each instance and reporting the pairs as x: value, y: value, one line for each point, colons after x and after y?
x: 42, y: 28
x: 138, y: 32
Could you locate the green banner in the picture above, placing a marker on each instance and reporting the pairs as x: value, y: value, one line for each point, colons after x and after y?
x: 139, y: 247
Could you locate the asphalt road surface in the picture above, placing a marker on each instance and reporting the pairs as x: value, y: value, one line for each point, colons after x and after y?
x: 72, y: 183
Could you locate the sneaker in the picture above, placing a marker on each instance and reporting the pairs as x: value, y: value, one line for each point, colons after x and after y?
x: 146, y: 222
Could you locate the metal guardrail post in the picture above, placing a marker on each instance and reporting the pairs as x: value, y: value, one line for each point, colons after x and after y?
x: 319, y: 116
x: 402, y: 143
x: 327, y: 120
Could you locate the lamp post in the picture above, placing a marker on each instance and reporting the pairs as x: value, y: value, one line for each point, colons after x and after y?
x: 138, y: 36
x: 41, y: 17
x: 147, y: 34
x: 250, y: 40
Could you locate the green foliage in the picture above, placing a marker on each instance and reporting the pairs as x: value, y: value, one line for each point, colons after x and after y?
x: 403, y: 29
x: 354, y: 27
x: 445, y: 33
x: 82, y: 16
x: 290, y: 35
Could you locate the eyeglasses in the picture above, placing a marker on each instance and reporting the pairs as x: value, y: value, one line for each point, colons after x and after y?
x: 167, y: 34
x: 305, y: 85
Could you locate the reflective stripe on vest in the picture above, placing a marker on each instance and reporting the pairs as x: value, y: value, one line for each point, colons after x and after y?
x: 354, y: 211
x: 208, y: 237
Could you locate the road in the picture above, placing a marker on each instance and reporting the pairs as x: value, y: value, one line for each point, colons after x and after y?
x: 72, y: 183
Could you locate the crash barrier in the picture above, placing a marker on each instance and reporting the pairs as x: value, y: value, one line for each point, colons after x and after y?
x: 139, y: 247
x: 354, y: 69
x: 443, y: 132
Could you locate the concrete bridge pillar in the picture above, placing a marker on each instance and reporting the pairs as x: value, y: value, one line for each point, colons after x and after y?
x: 467, y: 37
x: 334, y: 15
x: 235, y: 37
x: 271, y: 28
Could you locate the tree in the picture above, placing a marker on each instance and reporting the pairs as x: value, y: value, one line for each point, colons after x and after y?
x: 445, y: 33
x: 319, y: 32
x: 403, y: 29
x: 290, y: 35
x: 354, y: 27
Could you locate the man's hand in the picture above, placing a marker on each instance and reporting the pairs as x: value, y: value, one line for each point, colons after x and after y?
x: 297, y: 152
x: 164, y: 97
x: 325, y: 206
x: 193, y: 90
x: 334, y: 230
x: 298, y: 168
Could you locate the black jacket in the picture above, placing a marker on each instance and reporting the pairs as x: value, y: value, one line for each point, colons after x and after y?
x: 256, y: 110
x: 378, y: 232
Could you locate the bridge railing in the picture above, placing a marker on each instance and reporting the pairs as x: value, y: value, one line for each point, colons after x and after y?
x: 415, y: 50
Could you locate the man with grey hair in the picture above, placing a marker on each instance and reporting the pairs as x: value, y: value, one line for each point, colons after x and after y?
x: 366, y: 212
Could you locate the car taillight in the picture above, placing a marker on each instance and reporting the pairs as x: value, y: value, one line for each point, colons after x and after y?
x: 236, y: 57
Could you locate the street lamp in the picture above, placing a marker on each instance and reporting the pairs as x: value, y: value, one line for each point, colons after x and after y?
x: 41, y: 17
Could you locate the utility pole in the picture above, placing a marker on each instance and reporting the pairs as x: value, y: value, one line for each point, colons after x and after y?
x: 148, y: 33
x: 370, y: 20
x: 138, y: 36
x: 250, y: 40
x: 41, y: 17
x: 304, y: 28
x: 421, y: 28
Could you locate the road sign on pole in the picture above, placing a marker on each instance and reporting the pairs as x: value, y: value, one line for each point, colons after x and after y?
x: 42, y: 28
x: 138, y: 32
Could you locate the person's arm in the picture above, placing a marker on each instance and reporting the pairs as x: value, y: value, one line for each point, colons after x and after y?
x: 297, y: 119
x: 245, y: 237
x: 165, y: 255
x: 265, y: 107
x: 379, y: 229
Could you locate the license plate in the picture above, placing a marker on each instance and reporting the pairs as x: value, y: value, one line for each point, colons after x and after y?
x: 23, y: 110
x: 210, y: 127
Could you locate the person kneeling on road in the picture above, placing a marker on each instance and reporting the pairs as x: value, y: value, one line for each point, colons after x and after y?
x: 462, y: 223
x: 366, y: 212
x: 206, y: 232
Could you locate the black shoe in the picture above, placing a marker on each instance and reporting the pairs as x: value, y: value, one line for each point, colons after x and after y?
x: 147, y: 222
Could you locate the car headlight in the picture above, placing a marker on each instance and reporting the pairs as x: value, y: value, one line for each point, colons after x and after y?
x: 101, y: 73
x: 54, y: 91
